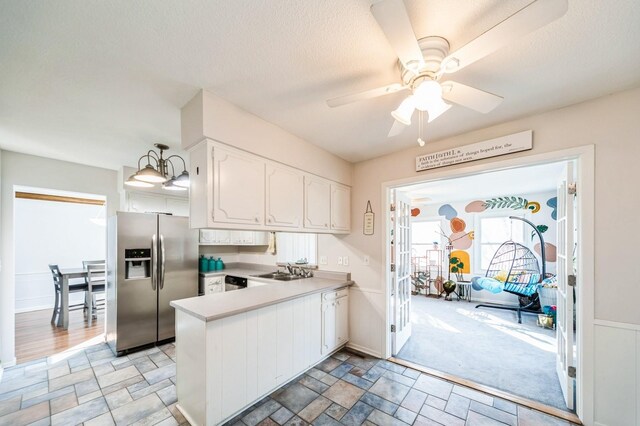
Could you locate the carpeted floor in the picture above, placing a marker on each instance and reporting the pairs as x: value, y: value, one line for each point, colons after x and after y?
x: 487, y: 346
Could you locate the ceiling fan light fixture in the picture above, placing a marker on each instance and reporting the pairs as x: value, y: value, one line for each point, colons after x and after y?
x: 405, y: 110
x: 437, y: 110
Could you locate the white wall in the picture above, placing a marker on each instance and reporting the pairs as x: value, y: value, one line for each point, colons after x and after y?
x: 49, y: 232
x: 38, y: 172
x: 610, y: 124
x: 209, y: 116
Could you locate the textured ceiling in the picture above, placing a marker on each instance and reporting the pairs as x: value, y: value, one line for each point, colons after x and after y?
x: 98, y: 82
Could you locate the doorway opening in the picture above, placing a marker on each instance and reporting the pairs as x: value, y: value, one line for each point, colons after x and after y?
x: 57, y: 231
x: 486, y: 293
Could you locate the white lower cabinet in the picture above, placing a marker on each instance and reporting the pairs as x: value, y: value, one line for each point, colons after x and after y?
x: 228, y: 364
x: 335, y: 319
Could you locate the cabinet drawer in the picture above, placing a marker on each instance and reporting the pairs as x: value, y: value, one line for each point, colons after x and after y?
x: 335, y: 294
x: 214, y: 280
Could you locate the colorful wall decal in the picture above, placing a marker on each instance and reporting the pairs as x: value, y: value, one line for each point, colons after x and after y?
x: 460, y: 240
x: 415, y: 212
x: 534, y: 206
x: 475, y: 207
x: 515, y: 203
x: 447, y: 211
x: 541, y: 228
x: 459, y: 262
x: 457, y: 224
x: 550, y: 251
x: 553, y: 203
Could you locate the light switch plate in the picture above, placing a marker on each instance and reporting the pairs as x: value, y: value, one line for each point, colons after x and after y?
x: 345, y: 260
x: 339, y: 260
x: 323, y: 260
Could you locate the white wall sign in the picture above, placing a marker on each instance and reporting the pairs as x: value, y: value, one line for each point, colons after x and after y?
x: 517, y: 142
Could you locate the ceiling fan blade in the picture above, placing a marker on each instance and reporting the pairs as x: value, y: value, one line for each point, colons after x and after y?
x: 396, y: 129
x: 395, y: 23
x: 470, y: 97
x: 373, y: 93
x: 529, y: 18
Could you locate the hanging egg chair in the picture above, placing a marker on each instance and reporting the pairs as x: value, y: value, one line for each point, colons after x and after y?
x: 518, y: 268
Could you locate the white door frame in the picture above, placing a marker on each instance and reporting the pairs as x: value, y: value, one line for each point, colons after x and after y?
x: 585, y: 172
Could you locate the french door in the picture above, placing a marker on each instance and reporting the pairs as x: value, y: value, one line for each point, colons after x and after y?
x: 401, y: 258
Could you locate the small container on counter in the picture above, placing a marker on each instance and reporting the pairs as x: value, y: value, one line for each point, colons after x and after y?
x: 219, y: 265
x: 204, y: 264
x: 211, y: 264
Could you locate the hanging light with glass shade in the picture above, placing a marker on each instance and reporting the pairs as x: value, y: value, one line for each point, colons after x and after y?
x: 157, y: 171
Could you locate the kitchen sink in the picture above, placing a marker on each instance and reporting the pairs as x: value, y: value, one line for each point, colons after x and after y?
x: 279, y: 276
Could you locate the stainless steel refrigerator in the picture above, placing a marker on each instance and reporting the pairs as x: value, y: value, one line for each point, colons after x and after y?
x: 152, y: 259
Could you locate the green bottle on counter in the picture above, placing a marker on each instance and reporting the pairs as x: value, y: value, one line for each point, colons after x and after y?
x: 219, y: 265
x: 211, y: 264
x: 204, y: 264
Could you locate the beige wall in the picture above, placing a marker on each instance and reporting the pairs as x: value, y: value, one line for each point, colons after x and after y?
x: 39, y: 172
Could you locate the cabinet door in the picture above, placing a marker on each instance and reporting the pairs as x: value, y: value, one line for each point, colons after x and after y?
x: 328, y: 326
x: 317, y: 203
x: 342, y: 320
x: 340, y: 207
x: 284, y: 201
x: 238, y: 187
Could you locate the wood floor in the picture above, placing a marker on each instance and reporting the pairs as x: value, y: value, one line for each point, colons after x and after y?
x: 36, y: 337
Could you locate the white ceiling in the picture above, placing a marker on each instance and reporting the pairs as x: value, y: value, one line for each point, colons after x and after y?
x: 523, y: 180
x: 99, y: 82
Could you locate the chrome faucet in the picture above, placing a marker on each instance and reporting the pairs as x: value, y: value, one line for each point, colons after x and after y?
x: 290, y: 269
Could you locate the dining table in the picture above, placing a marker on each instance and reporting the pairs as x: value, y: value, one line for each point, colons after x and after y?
x: 68, y: 274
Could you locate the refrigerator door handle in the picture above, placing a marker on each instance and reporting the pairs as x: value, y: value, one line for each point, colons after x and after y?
x: 154, y: 261
x: 162, y: 261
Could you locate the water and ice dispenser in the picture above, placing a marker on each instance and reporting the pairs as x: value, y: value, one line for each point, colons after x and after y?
x: 137, y: 263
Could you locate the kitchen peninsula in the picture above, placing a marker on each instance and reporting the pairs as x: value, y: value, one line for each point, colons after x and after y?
x: 235, y: 348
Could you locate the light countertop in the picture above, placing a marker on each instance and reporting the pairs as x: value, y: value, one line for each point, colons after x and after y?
x: 219, y: 305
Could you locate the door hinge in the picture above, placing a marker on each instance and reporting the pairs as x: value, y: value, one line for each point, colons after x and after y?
x: 571, y: 280
x: 393, y: 267
x: 571, y: 371
x: 572, y: 188
x: 393, y: 328
x: 393, y: 207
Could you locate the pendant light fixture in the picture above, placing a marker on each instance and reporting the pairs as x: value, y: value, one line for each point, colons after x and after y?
x: 157, y: 171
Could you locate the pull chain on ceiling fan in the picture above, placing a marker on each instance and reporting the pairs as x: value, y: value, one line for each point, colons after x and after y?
x: 424, y: 62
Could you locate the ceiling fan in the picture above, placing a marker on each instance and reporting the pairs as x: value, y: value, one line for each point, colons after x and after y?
x: 423, y: 63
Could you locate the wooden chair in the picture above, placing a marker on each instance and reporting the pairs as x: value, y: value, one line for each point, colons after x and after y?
x: 95, y: 282
x: 73, y: 288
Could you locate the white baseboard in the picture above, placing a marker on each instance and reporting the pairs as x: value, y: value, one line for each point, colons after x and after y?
x: 364, y: 350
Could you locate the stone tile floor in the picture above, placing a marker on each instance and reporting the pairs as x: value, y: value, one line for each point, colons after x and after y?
x: 92, y: 387
x: 352, y: 390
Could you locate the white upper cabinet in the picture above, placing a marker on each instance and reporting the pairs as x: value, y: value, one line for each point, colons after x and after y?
x: 235, y: 189
x: 317, y: 203
x: 284, y: 196
x: 340, y: 207
x: 238, y: 187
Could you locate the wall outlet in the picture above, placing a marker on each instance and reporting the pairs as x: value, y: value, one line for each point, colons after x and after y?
x: 345, y: 261
x: 339, y: 260
x: 323, y: 260
x: 366, y: 260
